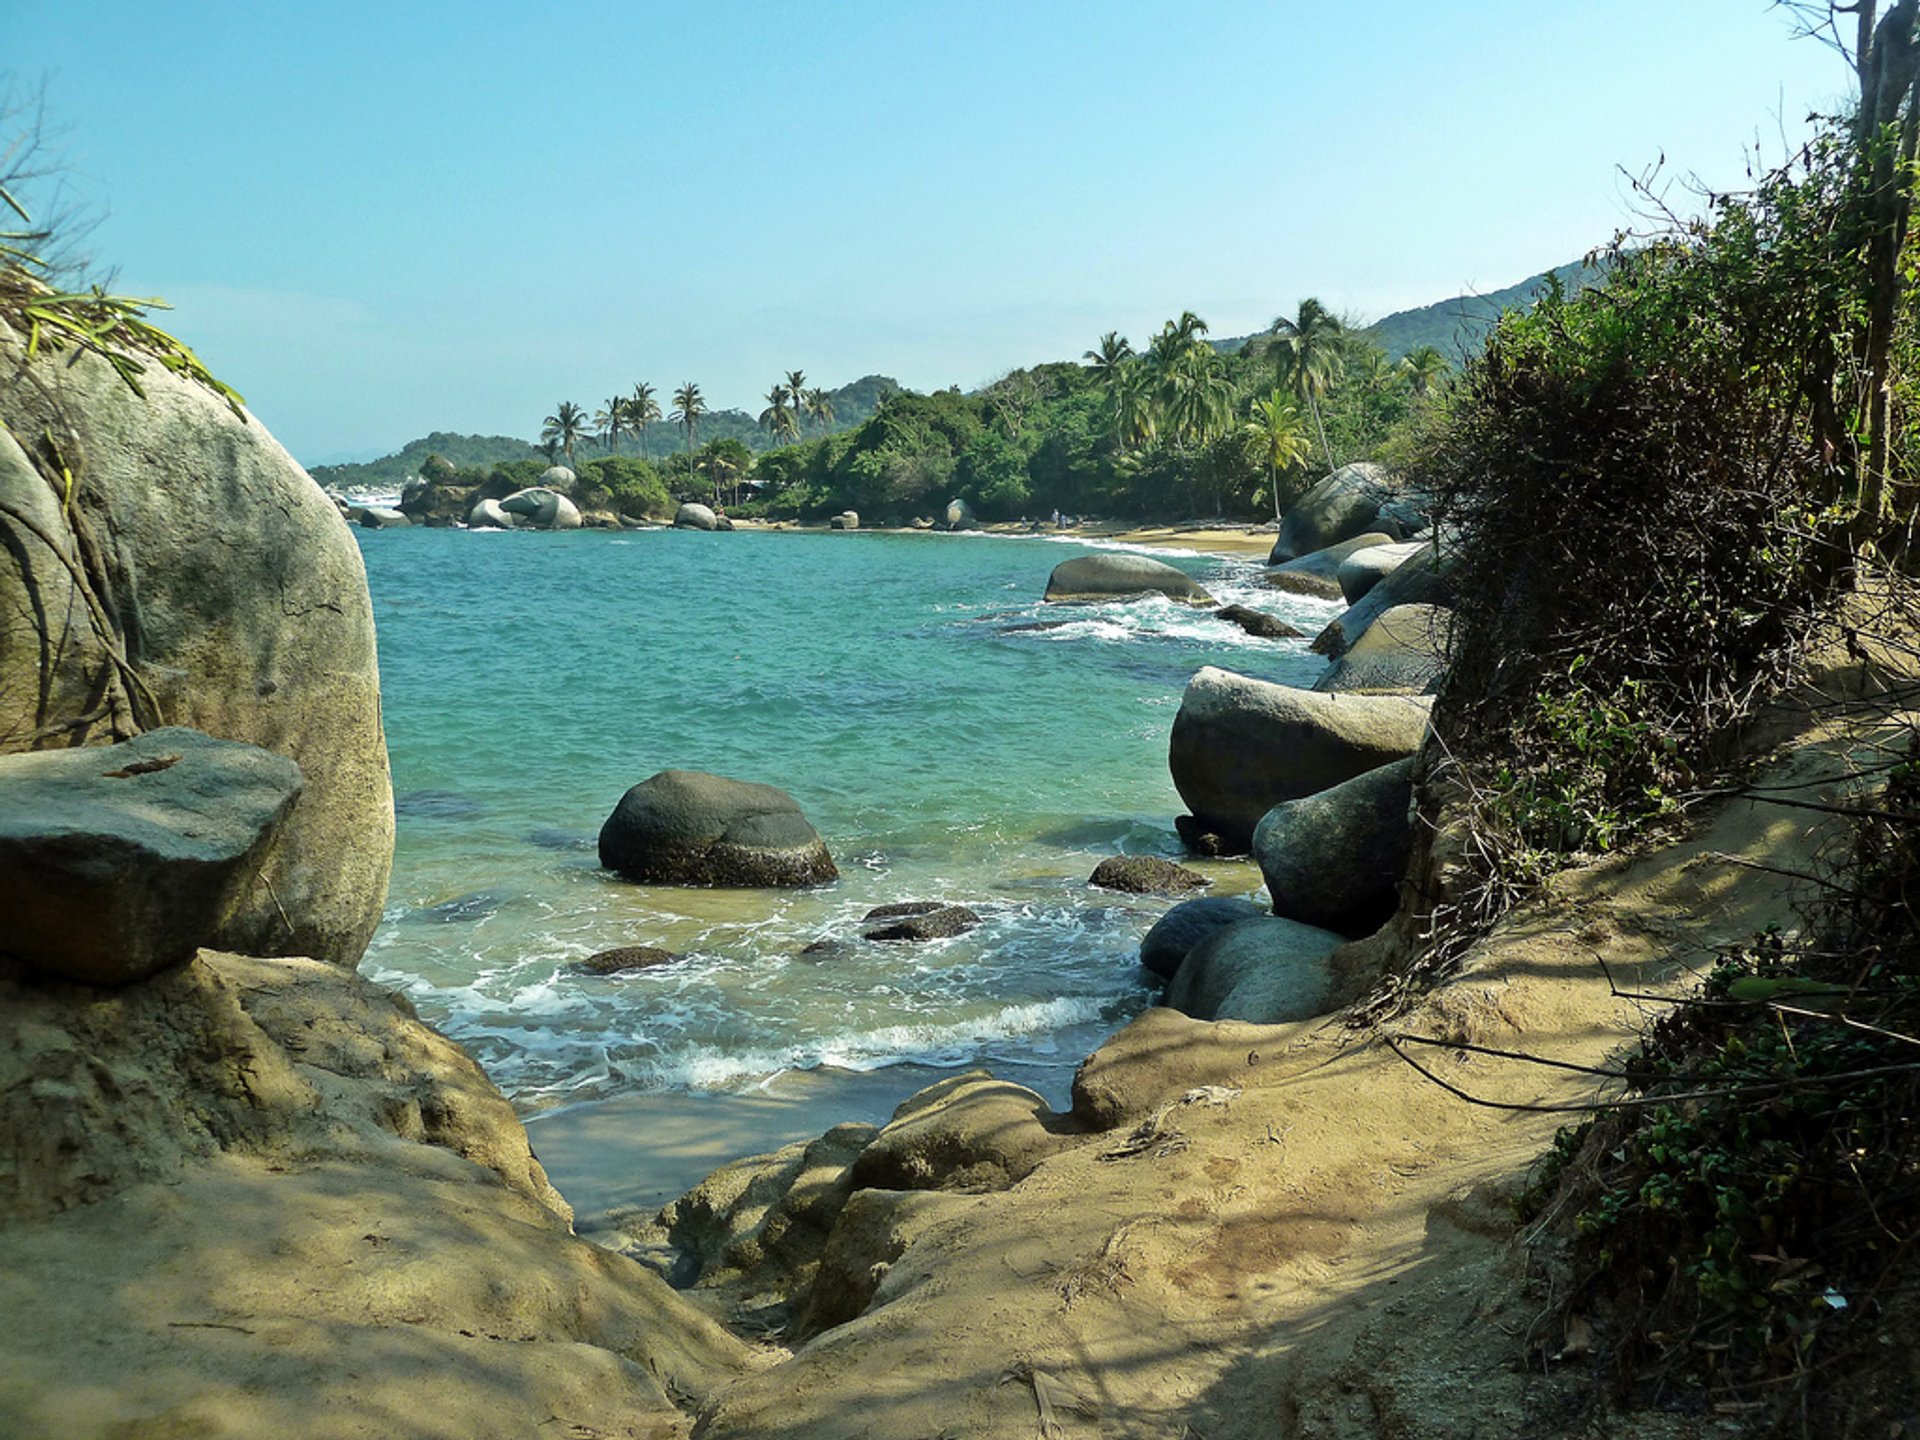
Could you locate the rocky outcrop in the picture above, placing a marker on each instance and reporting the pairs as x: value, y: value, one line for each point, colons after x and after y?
x: 541, y: 508
x: 1264, y: 971
x: 257, y: 1197
x: 130, y: 609
x: 693, y: 516
x: 1403, y: 652
x: 684, y: 827
x: 119, y: 860
x: 917, y: 920
x: 1317, y: 574
x: 1146, y: 875
x: 1241, y: 746
x: 1421, y: 579
x: 969, y: 1133
x: 1120, y: 576
x: 1175, y: 933
x: 1339, y: 507
x: 1336, y: 859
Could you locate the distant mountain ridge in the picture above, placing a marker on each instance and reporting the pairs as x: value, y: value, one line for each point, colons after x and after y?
x: 852, y: 404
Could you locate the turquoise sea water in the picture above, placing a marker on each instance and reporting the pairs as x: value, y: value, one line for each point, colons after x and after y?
x: 881, y: 679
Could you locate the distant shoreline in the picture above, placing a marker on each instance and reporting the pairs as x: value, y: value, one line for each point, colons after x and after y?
x: 1227, y: 541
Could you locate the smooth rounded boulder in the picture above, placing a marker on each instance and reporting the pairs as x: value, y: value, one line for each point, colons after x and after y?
x: 1404, y: 652
x: 117, y: 861
x: 1340, y: 506
x: 1119, y: 576
x: 1241, y: 746
x: 380, y: 517
x: 1175, y: 933
x: 1336, y: 859
x: 196, y: 577
x: 541, y: 508
x: 1266, y: 971
x: 694, y: 516
x: 1318, y: 574
x: 487, y: 515
x: 1423, y: 578
x: 959, y: 516
x: 1366, y: 568
x: 685, y: 827
x: 845, y: 520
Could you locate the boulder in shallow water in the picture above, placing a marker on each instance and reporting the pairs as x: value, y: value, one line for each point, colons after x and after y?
x: 1175, y: 933
x: 487, y: 515
x: 1336, y: 859
x: 1317, y: 574
x: 1120, y: 576
x: 684, y: 827
x: 1146, y: 875
x: 918, y: 920
x: 1265, y: 971
x: 625, y: 959
x: 1258, y: 622
x: 959, y: 516
x: 1340, y: 506
x: 1241, y: 746
x: 694, y: 516
x: 119, y: 860
x: 540, y: 508
x: 379, y: 517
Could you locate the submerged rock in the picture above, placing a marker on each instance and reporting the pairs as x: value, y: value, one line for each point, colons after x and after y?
x: 1145, y: 875
x: 1336, y: 859
x: 120, y: 860
x: 1241, y: 746
x: 624, y: 959
x: 1175, y: 933
x: 918, y: 920
x: 1120, y: 576
x: 1258, y: 622
x: 684, y: 827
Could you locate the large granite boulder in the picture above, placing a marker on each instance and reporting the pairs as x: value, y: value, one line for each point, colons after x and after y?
x: 1175, y: 933
x: 958, y: 516
x: 1340, y: 506
x: 1318, y: 574
x: 1367, y: 567
x: 1336, y: 859
x: 684, y: 827
x: 541, y: 508
x: 1423, y: 578
x: 559, y: 477
x: 1265, y: 971
x: 120, y: 860
x: 694, y: 516
x: 379, y: 517
x: 845, y: 520
x: 1404, y: 652
x: 197, y: 578
x: 1241, y: 746
x: 1115, y: 575
x: 487, y: 515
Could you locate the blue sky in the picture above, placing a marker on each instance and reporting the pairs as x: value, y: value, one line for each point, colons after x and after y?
x: 380, y: 220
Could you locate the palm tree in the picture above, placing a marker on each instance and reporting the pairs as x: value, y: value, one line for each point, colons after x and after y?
x: 1281, y: 438
x: 566, y: 427
x: 777, y: 417
x: 1136, y: 409
x: 1106, y: 361
x: 1199, y: 397
x: 612, y: 420
x: 688, y: 407
x: 1309, y: 346
x: 796, y: 387
x: 642, y: 411
x: 819, y: 407
x: 1425, y: 368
